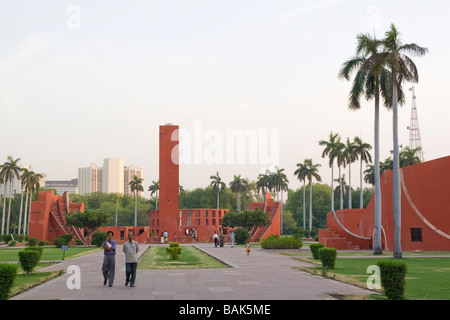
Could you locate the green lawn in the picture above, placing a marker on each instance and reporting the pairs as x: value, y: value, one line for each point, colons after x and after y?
x: 426, y: 278
x: 48, y: 254
x: 191, y: 258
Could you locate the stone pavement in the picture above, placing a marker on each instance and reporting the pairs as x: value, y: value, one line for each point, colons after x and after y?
x: 258, y: 276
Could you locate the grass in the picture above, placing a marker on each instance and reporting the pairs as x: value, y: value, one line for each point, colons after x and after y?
x: 24, y: 282
x: 427, y: 278
x: 191, y: 258
x: 48, y: 254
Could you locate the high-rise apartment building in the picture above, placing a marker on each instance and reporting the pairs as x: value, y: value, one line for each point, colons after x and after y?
x: 113, y: 177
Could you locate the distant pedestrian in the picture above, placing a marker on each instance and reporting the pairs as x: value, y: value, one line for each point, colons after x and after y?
x: 109, y: 259
x: 165, y: 236
x: 232, y: 238
x: 131, y: 249
x: 248, y: 248
x: 215, y: 238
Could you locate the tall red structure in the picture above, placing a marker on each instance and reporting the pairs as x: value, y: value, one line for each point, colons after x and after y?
x: 168, y: 178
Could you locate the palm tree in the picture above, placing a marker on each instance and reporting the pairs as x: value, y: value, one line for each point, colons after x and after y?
x: 329, y: 151
x: 154, y: 188
x: 31, y: 183
x: 409, y: 156
x: 301, y: 175
x: 238, y: 185
x: 136, y: 185
x: 373, y: 84
x: 264, y: 184
x: 402, y: 68
x: 9, y: 171
x: 218, y: 185
x: 350, y: 156
x: 362, y: 151
x: 280, y: 183
x: 311, y: 171
x: 340, y: 161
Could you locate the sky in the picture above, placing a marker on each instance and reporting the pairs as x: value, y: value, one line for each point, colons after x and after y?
x: 81, y: 81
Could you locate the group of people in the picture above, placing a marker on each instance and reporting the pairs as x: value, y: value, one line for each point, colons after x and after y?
x: 131, y: 249
x: 217, y: 243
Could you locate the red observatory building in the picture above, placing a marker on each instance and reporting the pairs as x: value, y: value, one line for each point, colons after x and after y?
x: 425, y: 217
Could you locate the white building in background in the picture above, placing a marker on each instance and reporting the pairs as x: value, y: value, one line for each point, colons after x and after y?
x: 61, y: 186
x: 113, y: 177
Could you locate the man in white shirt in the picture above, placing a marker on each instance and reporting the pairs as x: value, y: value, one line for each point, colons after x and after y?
x: 131, y: 250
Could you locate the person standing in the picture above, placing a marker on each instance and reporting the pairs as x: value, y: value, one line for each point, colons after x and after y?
x: 215, y: 238
x: 109, y: 259
x: 232, y: 238
x: 248, y: 249
x: 131, y: 249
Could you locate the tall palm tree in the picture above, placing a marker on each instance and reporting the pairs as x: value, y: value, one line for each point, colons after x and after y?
x: 9, y: 171
x: 238, y: 185
x: 340, y: 161
x: 280, y: 184
x: 218, y: 185
x: 402, y: 68
x: 350, y: 156
x: 23, y: 178
x: 362, y: 151
x: 330, y: 147
x: 264, y: 184
x: 32, y: 183
x: 372, y: 84
x: 154, y: 188
x: 301, y: 176
x: 136, y: 185
x: 311, y: 171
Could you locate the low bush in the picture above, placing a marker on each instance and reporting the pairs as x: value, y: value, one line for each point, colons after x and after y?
x: 328, y: 257
x: 33, y: 241
x: 37, y: 249
x: 62, y: 240
x: 314, y: 247
x: 393, y: 275
x: 28, y: 260
x: 277, y: 242
x: 174, y: 250
x: 241, y: 235
x: 8, y: 274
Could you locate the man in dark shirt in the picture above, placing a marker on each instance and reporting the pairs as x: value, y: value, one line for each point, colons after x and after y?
x: 109, y: 259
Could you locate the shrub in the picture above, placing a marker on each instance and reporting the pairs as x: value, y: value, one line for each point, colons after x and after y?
x: 98, y: 238
x: 315, y: 247
x: 328, y: 257
x: 42, y: 243
x: 37, y: 249
x: 62, y: 240
x: 12, y: 243
x: 241, y: 235
x: 174, y: 250
x: 277, y: 242
x: 7, y: 276
x: 28, y: 260
x: 78, y: 242
x: 393, y: 275
x: 33, y: 241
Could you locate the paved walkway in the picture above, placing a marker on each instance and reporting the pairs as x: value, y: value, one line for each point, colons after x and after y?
x: 259, y: 276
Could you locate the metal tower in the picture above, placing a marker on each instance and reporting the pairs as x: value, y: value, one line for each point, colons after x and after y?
x: 414, y: 131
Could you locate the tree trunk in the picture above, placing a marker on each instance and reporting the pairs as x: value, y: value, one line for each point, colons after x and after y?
x: 396, y: 197
x: 9, y: 206
x: 135, y: 209
x: 341, y: 198
x: 304, y: 203
x: 20, y: 213
x: 4, y: 208
x: 310, y: 205
x: 349, y: 186
x: 332, y: 191
x: 377, y: 246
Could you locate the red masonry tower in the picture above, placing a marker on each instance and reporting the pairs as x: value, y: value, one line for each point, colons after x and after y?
x: 168, y: 179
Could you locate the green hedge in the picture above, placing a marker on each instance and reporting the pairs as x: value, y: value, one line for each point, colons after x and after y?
x: 241, y: 235
x: 174, y: 250
x: 328, y: 257
x: 277, y: 242
x: 29, y: 259
x: 314, y: 247
x: 8, y: 274
x: 393, y: 275
x: 37, y: 249
x: 98, y: 238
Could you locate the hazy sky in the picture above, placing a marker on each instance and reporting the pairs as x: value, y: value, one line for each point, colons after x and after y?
x: 81, y: 81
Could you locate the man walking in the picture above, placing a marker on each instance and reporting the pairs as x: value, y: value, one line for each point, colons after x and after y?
x: 131, y: 250
x: 232, y: 238
x: 109, y: 259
